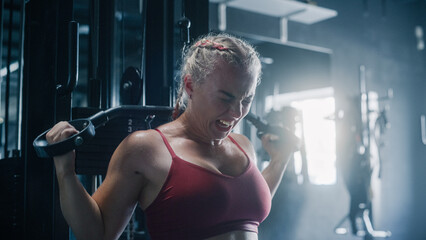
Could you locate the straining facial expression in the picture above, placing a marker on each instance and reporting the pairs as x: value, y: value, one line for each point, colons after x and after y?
x: 222, y: 100
x: 205, y: 54
x: 221, y: 84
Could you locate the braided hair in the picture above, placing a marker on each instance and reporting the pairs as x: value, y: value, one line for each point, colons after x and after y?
x: 200, y: 59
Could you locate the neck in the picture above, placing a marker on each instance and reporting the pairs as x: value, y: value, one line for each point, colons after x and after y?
x: 191, y: 131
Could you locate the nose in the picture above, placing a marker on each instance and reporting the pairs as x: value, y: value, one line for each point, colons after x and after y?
x: 236, y: 110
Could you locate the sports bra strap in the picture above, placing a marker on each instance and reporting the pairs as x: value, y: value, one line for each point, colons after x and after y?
x: 167, y: 143
x: 174, y: 154
x: 238, y: 145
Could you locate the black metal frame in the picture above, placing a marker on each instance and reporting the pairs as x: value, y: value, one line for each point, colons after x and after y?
x: 45, y: 67
x: 12, y: 203
x: 46, y: 42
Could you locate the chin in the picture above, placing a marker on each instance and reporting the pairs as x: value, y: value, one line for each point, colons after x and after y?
x: 218, y: 135
x: 222, y: 135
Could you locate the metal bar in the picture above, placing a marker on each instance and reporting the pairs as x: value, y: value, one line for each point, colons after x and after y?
x: 66, y: 67
x: 364, y: 108
x: 106, y: 53
x: 1, y: 37
x: 222, y: 16
x: 165, y: 44
x: 369, y: 227
x: 94, y: 37
x: 38, y: 114
x: 1, y: 63
x: 72, y: 60
x: 94, y: 93
x: 284, y: 30
x: 7, y: 100
x: 73, y: 55
x: 20, y: 77
x: 143, y: 51
x: 423, y: 128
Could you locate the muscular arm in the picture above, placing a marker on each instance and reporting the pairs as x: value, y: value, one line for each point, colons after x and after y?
x: 118, y: 195
x: 78, y: 208
x: 280, y: 155
x: 73, y: 196
x: 105, y: 214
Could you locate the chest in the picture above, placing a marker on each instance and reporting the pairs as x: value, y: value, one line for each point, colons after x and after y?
x: 227, y: 159
x: 192, y: 193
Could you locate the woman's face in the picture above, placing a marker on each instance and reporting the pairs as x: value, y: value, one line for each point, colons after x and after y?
x: 222, y: 100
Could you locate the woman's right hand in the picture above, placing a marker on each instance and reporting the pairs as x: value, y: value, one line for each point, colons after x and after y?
x: 65, y: 164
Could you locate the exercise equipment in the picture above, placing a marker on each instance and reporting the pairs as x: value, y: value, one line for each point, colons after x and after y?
x: 126, y: 118
x: 284, y: 135
x: 72, y: 60
x: 360, y: 169
x: 131, y: 86
x: 101, y: 131
x: 134, y: 115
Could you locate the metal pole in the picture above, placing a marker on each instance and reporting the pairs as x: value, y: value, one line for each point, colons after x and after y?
x: 1, y: 36
x: 364, y: 110
x: 8, y: 63
x: 20, y: 77
x: 1, y: 64
x: 143, y: 12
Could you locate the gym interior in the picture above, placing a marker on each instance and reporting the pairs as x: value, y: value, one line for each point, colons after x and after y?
x: 349, y: 77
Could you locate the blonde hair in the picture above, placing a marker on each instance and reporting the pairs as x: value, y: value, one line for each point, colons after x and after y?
x: 201, y: 57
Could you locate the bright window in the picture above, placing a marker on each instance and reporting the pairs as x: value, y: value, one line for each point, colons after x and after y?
x: 317, y: 125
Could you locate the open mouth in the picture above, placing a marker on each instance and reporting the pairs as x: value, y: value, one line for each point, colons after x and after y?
x: 224, y: 125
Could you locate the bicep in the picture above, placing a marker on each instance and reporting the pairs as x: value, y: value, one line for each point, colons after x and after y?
x: 118, y: 195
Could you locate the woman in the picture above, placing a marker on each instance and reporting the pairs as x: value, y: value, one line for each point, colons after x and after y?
x: 193, y: 177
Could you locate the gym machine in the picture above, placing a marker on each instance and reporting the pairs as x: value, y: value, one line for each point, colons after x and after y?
x: 361, y: 169
x: 105, y: 59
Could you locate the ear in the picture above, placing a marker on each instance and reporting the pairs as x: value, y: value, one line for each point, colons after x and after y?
x: 188, y: 85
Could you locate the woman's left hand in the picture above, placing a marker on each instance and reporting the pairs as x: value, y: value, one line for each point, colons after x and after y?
x: 280, y: 149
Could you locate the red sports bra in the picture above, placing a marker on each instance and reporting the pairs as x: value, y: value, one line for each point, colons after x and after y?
x: 196, y: 203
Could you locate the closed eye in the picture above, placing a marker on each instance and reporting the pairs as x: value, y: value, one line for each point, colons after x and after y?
x: 227, y: 100
x: 247, y: 100
x: 228, y: 97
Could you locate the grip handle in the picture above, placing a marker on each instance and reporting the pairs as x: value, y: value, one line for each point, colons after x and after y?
x: 284, y: 134
x: 46, y: 150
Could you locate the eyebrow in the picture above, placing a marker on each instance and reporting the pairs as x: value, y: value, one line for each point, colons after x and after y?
x: 232, y: 96
x: 227, y: 94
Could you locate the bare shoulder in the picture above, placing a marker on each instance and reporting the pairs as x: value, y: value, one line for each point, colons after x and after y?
x: 141, y: 142
x: 240, y: 138
x: 136, y: 168
x: 140, y: 151
x: 245, y: 143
